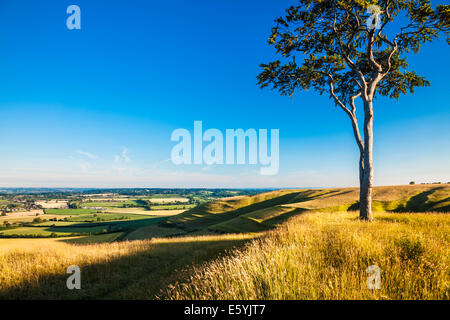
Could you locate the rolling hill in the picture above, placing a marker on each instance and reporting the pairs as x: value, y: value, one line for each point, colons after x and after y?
x: 268, y: 210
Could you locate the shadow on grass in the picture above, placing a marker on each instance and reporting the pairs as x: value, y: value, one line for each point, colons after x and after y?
x: 95, y: 239
x: 273, y: 222
x: 420, y: 203
x: 417, y: 203
x: 140, y: 275
x: 204, y: 220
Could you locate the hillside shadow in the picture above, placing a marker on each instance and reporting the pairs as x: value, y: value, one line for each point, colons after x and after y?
x: 354, y: 206
x: 94, y: 239
x: 140, y: 275
x: 204, y: 220
x: 418, y: 203
x: 207, y: 220
x: 273, y: 222
x: 289, y: 198
x: 110, y: 226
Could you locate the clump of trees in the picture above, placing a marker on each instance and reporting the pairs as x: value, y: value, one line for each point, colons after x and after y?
x: 73, y: 204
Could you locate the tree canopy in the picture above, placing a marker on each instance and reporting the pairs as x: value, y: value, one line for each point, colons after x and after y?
x: 341, y: 55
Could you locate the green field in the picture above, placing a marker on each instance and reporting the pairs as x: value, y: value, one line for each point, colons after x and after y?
x: 27, y: 231
x: 118, y: 215
x: 160, y: 196
x: 80, y: 223
x: 172, y: 206
x: 114, y: 204
x: 70, y: 212
x: 105, y: 204
x: 105, y: 216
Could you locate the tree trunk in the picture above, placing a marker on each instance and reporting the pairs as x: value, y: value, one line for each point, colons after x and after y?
x: 365, y: 199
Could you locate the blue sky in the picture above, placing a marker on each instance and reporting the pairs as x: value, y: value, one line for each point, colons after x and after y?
x: 96, y: 107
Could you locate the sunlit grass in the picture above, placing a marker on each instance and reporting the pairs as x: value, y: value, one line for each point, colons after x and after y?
x: 325, y: 256
x: 36, y: 268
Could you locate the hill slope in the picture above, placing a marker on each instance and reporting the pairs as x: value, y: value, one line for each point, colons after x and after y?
x: 267, y: 210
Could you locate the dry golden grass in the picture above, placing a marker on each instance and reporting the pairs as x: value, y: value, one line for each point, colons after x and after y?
x: 36, y: 268
x: 325, y: 256
x: 19, y: 214
x: 29, y: 260
x: 52, y: 204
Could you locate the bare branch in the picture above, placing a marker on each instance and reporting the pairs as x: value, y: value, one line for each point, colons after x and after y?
x: 355, y: 126
x: 351, y: 114
x: 389, y: 59
x: 375, y: 65
x: 352, y: 102
x: 336, y: 99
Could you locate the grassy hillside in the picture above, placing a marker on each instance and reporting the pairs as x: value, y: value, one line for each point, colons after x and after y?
x: 218, y: 211
x: 266, y: 211
x: 325, y: 256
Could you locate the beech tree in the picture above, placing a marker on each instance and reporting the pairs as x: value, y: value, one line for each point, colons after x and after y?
x: 353, y: 50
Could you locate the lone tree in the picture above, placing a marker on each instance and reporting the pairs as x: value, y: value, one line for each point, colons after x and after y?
x: 353, y: 49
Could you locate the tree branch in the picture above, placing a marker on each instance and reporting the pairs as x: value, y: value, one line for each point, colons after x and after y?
x: 355, y: 123
x: 351, y: 114
x: 389, y: 59
x: 375, y: 65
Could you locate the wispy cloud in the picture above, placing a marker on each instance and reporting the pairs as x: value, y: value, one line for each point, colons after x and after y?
x: 121, y: 163
x: 122, y: 157
x: 83, y: 161
x: 87, y: 154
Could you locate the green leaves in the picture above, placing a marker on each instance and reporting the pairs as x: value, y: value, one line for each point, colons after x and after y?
x: 398, y: 82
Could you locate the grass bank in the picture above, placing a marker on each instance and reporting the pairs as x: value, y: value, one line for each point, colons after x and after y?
x: 325, y: 256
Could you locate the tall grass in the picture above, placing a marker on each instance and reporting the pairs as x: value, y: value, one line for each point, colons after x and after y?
x: 325, y: 256
x: 36, y: 269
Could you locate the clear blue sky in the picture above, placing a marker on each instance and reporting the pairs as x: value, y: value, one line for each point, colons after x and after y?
x: 96, y: 107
